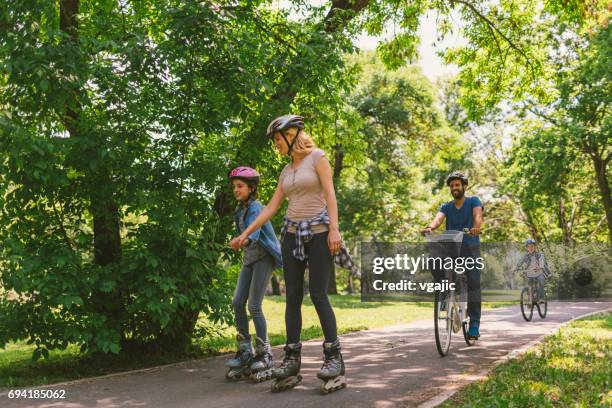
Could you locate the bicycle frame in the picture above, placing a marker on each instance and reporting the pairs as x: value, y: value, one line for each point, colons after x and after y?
x: 531, y: 289
x: 450, y: 309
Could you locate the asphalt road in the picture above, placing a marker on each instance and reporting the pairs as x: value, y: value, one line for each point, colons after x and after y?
x: 392, y: 367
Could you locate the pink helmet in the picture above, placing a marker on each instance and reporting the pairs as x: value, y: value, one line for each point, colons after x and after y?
x: 245, y: 173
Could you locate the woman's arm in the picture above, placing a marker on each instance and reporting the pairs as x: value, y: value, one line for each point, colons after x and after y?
x: 268, y: 212
x: 334, y: 241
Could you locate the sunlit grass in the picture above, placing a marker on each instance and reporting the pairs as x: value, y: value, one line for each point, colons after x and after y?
x: 570, y: 369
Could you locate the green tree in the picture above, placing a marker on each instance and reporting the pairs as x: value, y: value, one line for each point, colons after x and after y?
x: 119, y: 122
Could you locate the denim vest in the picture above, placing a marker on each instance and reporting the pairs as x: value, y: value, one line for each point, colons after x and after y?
x: 264, y: 236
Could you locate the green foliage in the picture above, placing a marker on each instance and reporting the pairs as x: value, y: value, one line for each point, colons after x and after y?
x: 389, y: 129
x: 119, y: 122
x: 563, y: 155
x: 116, y: 135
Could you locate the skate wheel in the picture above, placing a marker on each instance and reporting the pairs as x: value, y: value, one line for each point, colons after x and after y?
x: 333, y: 385
x: 285, y: 383
x: 230, y: 376
x: 261, y: 376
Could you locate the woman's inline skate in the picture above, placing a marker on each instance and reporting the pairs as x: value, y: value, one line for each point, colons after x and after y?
x: 262, y: 364
x: 332, y: 370
x: 239, y: 366
x: 287, y: 375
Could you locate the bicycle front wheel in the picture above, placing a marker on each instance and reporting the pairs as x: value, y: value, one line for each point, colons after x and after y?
x: 526, y: 305
x: 543, y: 307
x: 443, y: 322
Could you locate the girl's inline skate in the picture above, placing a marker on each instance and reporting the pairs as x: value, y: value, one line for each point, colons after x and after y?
x: 239, y: 366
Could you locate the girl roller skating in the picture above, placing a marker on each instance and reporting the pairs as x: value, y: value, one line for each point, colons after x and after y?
x: 261, y: 256
x: 310, y: 236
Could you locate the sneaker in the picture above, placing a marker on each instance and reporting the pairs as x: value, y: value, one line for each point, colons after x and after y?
x: 473, y: 333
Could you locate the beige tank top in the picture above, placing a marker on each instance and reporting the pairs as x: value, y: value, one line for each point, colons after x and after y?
x: 304, y: 191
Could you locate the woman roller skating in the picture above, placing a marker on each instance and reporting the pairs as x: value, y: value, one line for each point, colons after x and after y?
x: 310, y: 237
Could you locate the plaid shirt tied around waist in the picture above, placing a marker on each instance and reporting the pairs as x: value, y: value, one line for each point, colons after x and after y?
x: 303, y: 233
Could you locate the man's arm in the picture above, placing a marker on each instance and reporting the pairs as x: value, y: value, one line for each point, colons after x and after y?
x: 437, y: 221
x: 477, y: 214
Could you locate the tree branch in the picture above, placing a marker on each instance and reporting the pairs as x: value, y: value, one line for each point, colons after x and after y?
x: 492, y: 26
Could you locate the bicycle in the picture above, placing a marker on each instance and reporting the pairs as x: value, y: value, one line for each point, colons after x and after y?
x: 530, y: 297
x: 450, y: 309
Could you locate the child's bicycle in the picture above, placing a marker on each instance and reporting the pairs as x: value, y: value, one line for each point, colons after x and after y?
x: 530, y: 298
x: 450, y: 308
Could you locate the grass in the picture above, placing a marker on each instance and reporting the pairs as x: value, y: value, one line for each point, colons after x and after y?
x: 17, y: 369
x: 570, y: 369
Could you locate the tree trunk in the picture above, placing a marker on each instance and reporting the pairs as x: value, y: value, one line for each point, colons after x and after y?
x: 338, y: 162
x: 275, y: 286
x: 604, y: 188
x: 563, y: 222
x: 533, y: 229
x: 332, y: 288
x: 104, y: 209
x: 350, y: 286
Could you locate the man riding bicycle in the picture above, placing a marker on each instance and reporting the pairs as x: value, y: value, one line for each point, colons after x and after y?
x: 461, y: 213
x: 535, y: 266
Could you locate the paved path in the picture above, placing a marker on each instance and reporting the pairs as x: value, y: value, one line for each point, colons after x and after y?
x: 392, y: 367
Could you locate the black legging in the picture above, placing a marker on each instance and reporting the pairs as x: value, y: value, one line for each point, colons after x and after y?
x: 320, y: 263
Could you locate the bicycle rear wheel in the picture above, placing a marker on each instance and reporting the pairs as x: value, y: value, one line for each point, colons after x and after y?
x: 526, y: 305
x: 443, y: 322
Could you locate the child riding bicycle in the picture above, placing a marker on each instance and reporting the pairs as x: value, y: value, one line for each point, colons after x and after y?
x: 534, y: 267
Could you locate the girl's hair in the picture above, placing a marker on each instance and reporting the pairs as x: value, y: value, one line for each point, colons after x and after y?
x: 304, y: 143
x: 252, y: 184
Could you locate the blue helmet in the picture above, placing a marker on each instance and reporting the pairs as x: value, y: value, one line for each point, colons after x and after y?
x: 530, y: 241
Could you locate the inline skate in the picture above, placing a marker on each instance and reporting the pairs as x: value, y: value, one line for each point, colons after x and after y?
x: 287, y: 375
x: 239, y: 366
x: 332, y: 370
x: 262, y: 364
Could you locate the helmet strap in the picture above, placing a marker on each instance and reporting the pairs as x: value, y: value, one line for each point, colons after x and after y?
x: 290, y: 145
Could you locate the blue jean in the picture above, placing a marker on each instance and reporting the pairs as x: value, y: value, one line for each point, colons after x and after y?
x: 474, y: 301
x: 251, y: 287
x: 540, y: 280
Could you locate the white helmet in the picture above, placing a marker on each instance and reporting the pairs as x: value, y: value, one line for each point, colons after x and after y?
x: 285, y: 122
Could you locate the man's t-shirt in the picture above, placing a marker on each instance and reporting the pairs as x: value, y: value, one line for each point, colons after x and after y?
x: 458, y: 219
